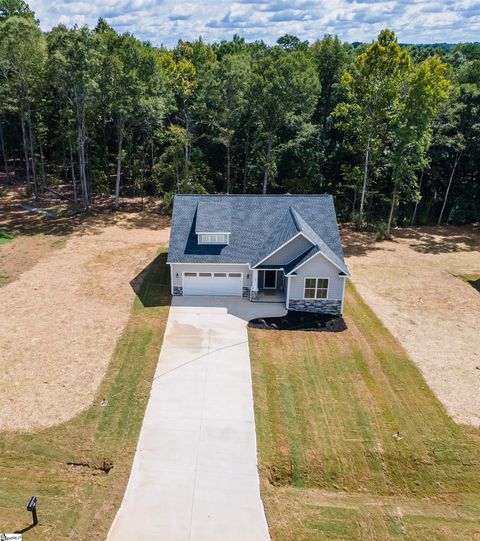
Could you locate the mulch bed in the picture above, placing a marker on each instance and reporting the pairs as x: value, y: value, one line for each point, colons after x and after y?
x: 300, y: 321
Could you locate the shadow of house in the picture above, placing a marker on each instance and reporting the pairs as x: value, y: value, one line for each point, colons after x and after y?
x: 152, y: 284
x: 475, y: 283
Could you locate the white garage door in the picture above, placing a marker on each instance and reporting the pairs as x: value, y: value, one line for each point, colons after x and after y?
x: 213, y: 283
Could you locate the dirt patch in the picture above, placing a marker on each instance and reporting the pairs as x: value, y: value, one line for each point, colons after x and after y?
x: 62, y: 316
x: 22, y: 253
x: 413, y: 284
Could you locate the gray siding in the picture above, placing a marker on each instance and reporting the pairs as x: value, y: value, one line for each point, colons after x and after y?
x: 289, y: 252
x: 192, y: 267
x: 317, y: 267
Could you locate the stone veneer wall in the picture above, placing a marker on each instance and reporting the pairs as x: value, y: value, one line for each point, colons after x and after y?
x: 178, y: 291
x: 246, y: 292
x: 322, y: 306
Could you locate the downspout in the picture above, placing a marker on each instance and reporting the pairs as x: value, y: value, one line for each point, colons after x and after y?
x: 171, y: 278
x: 343, y: 294
x: 288, y: 293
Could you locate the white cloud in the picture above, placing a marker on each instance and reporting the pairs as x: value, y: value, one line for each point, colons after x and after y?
x: 166, y: 21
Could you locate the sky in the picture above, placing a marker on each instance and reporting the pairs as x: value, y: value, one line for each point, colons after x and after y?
x: 166, y: 21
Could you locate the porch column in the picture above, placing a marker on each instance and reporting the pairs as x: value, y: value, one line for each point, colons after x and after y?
x: 254, y: 289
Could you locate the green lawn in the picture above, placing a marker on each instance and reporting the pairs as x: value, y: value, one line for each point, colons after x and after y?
x: 5, y: 236
x: 327, y: 406
x: 65, y: 466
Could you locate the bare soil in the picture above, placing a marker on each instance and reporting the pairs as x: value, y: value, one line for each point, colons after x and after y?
x: 414, y: 284
x: 69, y: 296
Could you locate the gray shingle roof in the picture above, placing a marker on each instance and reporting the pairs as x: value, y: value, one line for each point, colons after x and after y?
x: 259, y: 224
x: 214, y: 216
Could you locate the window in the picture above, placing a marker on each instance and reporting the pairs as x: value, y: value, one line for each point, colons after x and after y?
x: 190, y: 274
x: 205, y: 274
x: 235, y: 275
x: 316, y: 288
x: 213, y: 238
x: 220, y: 274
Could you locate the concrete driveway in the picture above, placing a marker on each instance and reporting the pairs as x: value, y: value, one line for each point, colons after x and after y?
x: 194, y: 476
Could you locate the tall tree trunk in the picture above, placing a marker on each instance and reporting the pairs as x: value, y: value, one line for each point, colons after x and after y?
x: 32, y: 155
x: 188, y: 150
x: 177, y: 172
x: 457, y: 159
x: 245, y: 163
x: 354, y: 203
x: 81, y: 136
x: 365, y: 180
x: 228, y: 167
x: 25, y: 148
x: 392, y: 206
x: 414, y: 215
x: 81, y: 160
x: 74, y: 180
x: 42, y: 163
x: 5, y: 160
x: 266, y: 173
x: 119, y: 160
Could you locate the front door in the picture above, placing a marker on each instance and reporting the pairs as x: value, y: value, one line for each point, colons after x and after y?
x: 270, y: 279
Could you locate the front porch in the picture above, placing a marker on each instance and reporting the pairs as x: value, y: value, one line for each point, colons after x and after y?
x: 268, y: 285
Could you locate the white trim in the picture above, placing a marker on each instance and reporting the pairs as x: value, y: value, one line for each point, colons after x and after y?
x: 276, y: 280
x: 315, y: 288
x: 310, y: 258
x: 213, y: 232
x: 211, y: 264
x: 343, y: 293
x: 283, y: 245
x: 171, y: 279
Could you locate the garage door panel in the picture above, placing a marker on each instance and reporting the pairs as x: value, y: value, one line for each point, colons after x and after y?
x: 213, y: 283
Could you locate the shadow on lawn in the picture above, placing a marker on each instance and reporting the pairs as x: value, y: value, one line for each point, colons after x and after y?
x: 65, y: 218
x: 423, y: 239
x: 152, y: 284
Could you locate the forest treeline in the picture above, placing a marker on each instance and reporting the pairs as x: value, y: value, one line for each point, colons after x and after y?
x: 391, y: 131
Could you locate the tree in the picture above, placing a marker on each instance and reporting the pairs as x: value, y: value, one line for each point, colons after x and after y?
x: 15, y: 8
x: 372, y: 89
x: 464, y: 132
x: 23, y: 54
x: 224, y: 99
x: 75, y: 67
x: 284, y: 91
x: 421, y: 95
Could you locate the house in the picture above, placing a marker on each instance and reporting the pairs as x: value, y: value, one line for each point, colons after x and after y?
x: 283, y: 248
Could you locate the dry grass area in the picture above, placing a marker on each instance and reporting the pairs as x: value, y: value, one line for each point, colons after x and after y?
x: 415, y: 284
x: 79, y: 469
x: 328, y: 407
x: 70, y: 285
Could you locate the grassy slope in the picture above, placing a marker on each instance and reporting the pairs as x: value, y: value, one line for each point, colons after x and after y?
x: 79, y: 502
x: 326, y: 408
x: 5, y: 236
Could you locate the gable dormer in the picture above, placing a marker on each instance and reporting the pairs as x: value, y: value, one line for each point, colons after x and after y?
x: 213, y: 222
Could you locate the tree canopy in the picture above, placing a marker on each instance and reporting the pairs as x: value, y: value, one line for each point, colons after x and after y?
x: 391, y: 131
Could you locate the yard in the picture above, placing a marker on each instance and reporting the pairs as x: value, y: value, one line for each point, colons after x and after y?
x: 68, y: 287
x: 79, y: 469
x: 420, y: 285
x: 353, y: 445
